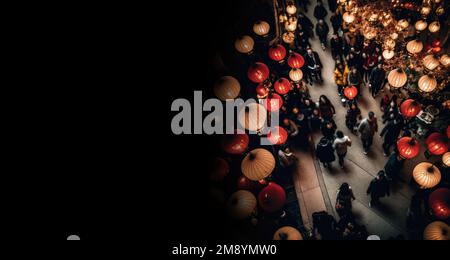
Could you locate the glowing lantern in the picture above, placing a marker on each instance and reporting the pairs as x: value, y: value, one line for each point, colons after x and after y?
x: 277, y: 52
x: 439, y: 202
x: 421, y: 25
x: 220, y: 169
x: 261, y: 91
x: 414, y: 46
x: 235, y: 143
x: 445, y: 60
x: 296, y: 75
x: 440, y: 10
x: 369, y: 33
x: 348, y: 17
x: 273, y: 103
x: 437, y: 230
x: 244, y: 44
x: 430, y: 62
x: 282, y: 86
x: 403, y: 24
x: 427, y: 83
x: 426, y: 175
x: 254, y: 118
x: 241, y: 204
x: 394, y: 36
x: 434, y: 26
x: 351, y: 92
x: 277, y: 135
x: 388, y: 54
x: 261, y: 28
x: 258, y: 72
x: 408, y: 148
x: 272, y: 197
x: 290, y: 26
x: 425, y: 10
x: 397, y: 78
x: 227, y: 88
x: 389, y: 43
x: 258, y: 164
x: 296, y: 61
x: 437, y: 143
x: 410, y: 108
x: 288, y: 37
x: 287, y: 233
x: 291, y: 9
x: 446, y: 159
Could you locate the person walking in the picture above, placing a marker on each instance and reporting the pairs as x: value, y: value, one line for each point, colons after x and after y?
x: 336, y: 21
x: 319, y: 11
x: 322, y: 30
x: 377, y: 79
x: 378, y: 188
x: 340, y: 144
x: 367, y: 129
x: 393, y: 166
x: 328, y: 129
x: 327, y: 109
x: 325, y: 152
x: 390, y: 131
x: 314, y: 66
x: 344, y: 200
x: 352, y: 116
x: 340, y: 77
x: 336, y: 47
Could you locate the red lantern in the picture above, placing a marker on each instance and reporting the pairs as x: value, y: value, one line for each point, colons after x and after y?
x: 235, y: 143
x: 258, y: 72
x: 277, y: 135
x: 437, y: 143
x: 272, y: 197
x: 437, y: 49
x: 439, y: 202
x: 296, y: 61
x: 261, y: 91
x: 410, y: 108
x: 436, y: 43
x: 282, y: 86
x: 245, y: 183
x: 408, y: 148
x: 273, y: 103
x: 350, y: 92
x: 277, y: 52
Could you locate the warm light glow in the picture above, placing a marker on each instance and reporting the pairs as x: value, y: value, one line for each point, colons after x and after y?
x: 446, y: 159
x: 261, y: 28
x: 397, y: 78
x: 426, y: 175
x: 425, y: 10
x: 434, y: 26
x: 288, y: 37
x: 421, y: 25
x: 348, y: 17
x: 430, y: 62
x: 388, y: 54
x: 403, y: 24
x: 227, y: 88
x: 389, y: 43
x: 445, y: 60
x: 296, y: 75
x: 427, y: 83
x: 291, y: 9
x: 244, y: 44
x: 414, y: 46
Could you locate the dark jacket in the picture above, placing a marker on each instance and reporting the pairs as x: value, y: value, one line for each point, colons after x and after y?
x: 312, y: 61
x: 379, y: 187
x: 377, y: 77
x: 354, y: 79
x: 391, y: 132
x: 336, y: 21
x: 320, y: 12
x: 322, y: 29
x: 393, y: 166
x: 336, y: 46
x: 328, y: 132
x: 325, y: 151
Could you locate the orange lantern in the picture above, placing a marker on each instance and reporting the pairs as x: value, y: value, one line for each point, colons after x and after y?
x: 296, y: 75
x: 437, y: 230
x: 414, y: 46
x: 410, y: 108
x: 421, y: 25
x: 350, y: 92
x: 434, y: 26
x: 241, y: 204
x: 426, y: 175
x: 261, y: 28
x: 397, y: 78
x: 427, y: 83
x: 445, y: 60
x: 446, y: 159
x: 254, y: 118
x: 408, y: 148
x: 258, y: 164
x: 227, y: 88
x: 287, y: 233
x: 244, y: 44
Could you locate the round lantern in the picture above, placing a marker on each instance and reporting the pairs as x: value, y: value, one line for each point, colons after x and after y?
x: 290, y: 26
x: 277, y: 52
x: 439, y: 202
x: 350, y: 92
x: 258, y: 72
x: 245, y: 183
x: 282, y: 86
x: 277, y: 135
x: 437, y: 230
x: 273, y: 103
x: 430, y: 62
x: 408, y: 148
x: 414, y: 46
x: 421, y: 25
x: 436, y: 43
x: 348, y: 17
x: 219, y: 170
x: 437, y: 143
x: 369, y: 33
x: 244, y: 44
x: 288, y: 37
x: 397, y: 78
x: 235, y: 143
x: 287, y: 233
x: 434, y: 26
x: 261, y: 91
x: 241, y: 204
x: 446, y: 159
x: 253, y: 118
x: 291, y: 9
x: 258, y: 164
x: 261, y: 28
x: 426, y: 175
x: 272, y: 197
x: 440, y: 10
x: 403, y: 24
x: 296, y: 61
x: 425, y: 10
x: 296, y: 75
x: 227, y: 88
x: 388, y: 54
x: 445, y: 60
x: 389, y: 43
x: 394, y: 36
x: 427, y: 83
x: 410, y: 108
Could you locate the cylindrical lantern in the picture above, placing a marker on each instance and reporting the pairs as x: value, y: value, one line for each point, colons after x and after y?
x: 235, y: 143
x: 261, y: 91
x: 437, y: 143
x: 348, y: 17
x: 410, y: 108
x: 427, y: 83
x: 414, y: 46
x: 272, y: 197
x: 434, y: 26
x: 254, y: 118
x: 296, y: 75
x: 446, y: 159
x: 258, y: 72
x: 439, y: 202
x: 430, y: 62
x: 227, y: 88
x: 388, y: 54
x: 241, y: 204
x: 282, y: 86
x: 287, y: 233
x: 426, y: 175
x: 261, y: 28
x: 258, y: 164
x: 244, y: 44
x: 437, y: 230
x: 445, y: 60
x: 291, y: 9
x: 408, y: 148
x: 277, y: 135
x: 273, y: 103
x: 277, y: 52
x: 219, y: 170
x: 296, y: 61
x: 288, y: 37
x: 350, y: 92
x: 421, y: 25
x: 397, y: 78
